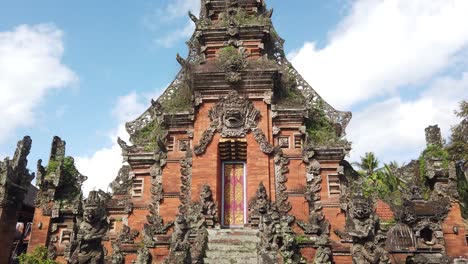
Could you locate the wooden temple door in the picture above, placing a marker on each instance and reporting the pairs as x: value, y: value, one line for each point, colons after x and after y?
x: 233, y: 194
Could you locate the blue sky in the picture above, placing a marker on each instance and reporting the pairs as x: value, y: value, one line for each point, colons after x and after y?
x: 80, y: 69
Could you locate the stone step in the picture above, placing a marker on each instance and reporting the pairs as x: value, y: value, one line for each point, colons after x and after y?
x: 232, y: 247
x: 231, y: 261
x: 233, y: 255
x: 232, y: 239
x: 243, y: 232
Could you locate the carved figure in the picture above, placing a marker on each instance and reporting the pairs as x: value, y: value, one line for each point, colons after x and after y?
x: 361, y: 221
x: 180, y: 245
x: 127, y: 236
x: 323, y: 256
x: 232, y: 116
x: 258, y: 206
x: 92, y: 229
x: 206, y: 198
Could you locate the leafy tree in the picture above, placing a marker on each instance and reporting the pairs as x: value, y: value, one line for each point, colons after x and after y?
x: 369, y: 163
x: 38, y: 256
x: 458, y: 146
x: 458, y: 151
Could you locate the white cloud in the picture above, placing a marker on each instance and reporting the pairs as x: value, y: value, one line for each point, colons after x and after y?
x: 173, y: 11
x: 179, y: 8
x: 382, y: 45
x: 171, y: 38
x: 102, y: 166
x: 30, y: 67
x: 394, y: 128
x: 382, y: 52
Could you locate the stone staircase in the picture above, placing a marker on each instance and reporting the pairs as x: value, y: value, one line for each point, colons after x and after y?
x: 232, y: 246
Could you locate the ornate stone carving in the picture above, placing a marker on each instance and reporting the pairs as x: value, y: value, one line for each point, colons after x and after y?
x: 60, y: 181
x: 117, y: 257
x: 275, y: 230
x: 323, y: 256
x: 144, y: 256
x: 209, y: 210
x: 180, y: 245
x: 93, y: 227
x: 281, y: 170
x: 186, y: 178
x: 127, y: 235
x: 123, y: 182
x: 14, y: 175
x: 232, y: 116
x: 258, y: 206
x: 155, y: 225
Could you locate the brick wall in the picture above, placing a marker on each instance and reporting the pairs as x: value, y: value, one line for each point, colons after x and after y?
x: 39, y: 230
x: 455, y: 243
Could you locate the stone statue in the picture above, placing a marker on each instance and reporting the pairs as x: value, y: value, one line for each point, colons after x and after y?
x: 361, y: 219
x: 323, y: 256
x: 91, y: 230
x: 209, y: 208
x: 259, y: 205
x: 180, y: 245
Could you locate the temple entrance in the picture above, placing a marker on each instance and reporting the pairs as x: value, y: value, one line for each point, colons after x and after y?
x: 233, y: 194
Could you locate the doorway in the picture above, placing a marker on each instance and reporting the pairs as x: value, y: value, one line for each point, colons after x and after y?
x: 233, y: 194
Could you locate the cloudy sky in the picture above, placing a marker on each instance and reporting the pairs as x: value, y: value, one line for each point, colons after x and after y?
x: 80, y: 69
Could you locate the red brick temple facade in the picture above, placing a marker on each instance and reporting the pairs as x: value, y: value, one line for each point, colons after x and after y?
x: 241, y: 161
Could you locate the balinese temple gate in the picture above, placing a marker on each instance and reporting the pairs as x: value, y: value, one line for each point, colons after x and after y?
x: 240, y: 161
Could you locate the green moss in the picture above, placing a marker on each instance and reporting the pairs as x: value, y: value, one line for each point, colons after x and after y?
x: 243, y: 18
x: 321, y: 131
x: 52, y: 168
x: 289, y: 95
x: 228, y: 54
x: 433, y: 151
x: 148, y: 136
x: 303, y: 239
x: 181, y: 100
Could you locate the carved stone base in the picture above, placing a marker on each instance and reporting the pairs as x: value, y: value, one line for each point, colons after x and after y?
x: 268, y: 257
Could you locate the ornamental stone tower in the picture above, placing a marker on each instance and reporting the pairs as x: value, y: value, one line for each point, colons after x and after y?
x: 241, y: 161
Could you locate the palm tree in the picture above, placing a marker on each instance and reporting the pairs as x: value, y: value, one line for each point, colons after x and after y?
x: 369, y: 163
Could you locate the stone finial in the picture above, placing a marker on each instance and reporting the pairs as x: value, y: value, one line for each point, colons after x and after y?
x: 433, y: 135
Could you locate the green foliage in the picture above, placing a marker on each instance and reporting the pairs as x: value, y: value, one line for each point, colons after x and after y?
x: 52, y: 167
x: 369, y: 163
x: 462, y: 191
x: 458, y: 146
x: 303, y: 239
x: 38, y: 256
x: 433, y: 151
x: 148, y: 136
x: 180, y: 101
x: 289, y: 95
x: 385, y: 184
x: 320, y: 130
x: 229, y: 55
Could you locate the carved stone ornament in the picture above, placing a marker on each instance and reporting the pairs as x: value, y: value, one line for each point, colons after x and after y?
x: 14, y: 175
x: 275, y: 229
x: 117, y: 257
x: 127, y: 236
x: 123, y: 183
x: 323, y: 256
x: 180, y: 244
x: 144, y: 256
x: 232, y: 116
